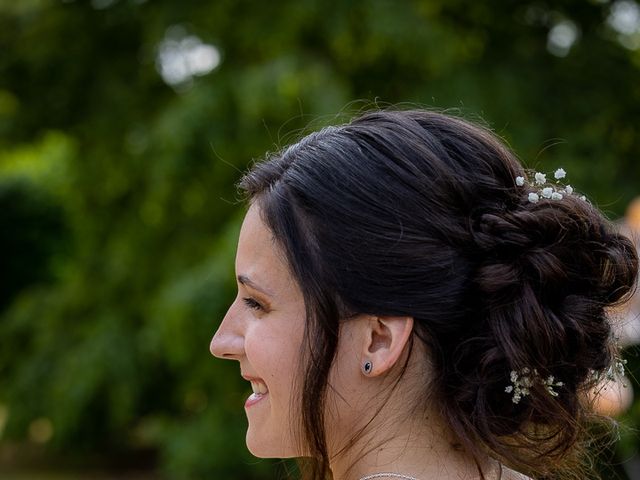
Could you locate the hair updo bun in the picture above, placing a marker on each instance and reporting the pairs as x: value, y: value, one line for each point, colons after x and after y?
x: 548, y: 272
x: 416, y: 213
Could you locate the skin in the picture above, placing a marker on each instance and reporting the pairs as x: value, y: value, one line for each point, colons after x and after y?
x: 263, y: 330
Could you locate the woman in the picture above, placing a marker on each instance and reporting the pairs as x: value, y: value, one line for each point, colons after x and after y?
x: 413, y: 304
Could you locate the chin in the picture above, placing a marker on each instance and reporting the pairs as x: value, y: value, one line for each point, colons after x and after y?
x: 269, y: 448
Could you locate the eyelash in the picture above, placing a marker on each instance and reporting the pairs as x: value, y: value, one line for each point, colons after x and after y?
x: 251, y: 303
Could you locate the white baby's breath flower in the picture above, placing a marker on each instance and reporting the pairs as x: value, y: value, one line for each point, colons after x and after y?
x: 533, y: 197
x: 541, y: 178
x: 522, y: 381
x: 583, y: 198
x: 520, y: 181
x: 568, y: 189
x: 560, y: 173
x: 547, y: 192
x: 556, y: 196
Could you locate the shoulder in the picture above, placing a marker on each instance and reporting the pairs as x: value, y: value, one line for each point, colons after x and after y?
x: 508, y: 474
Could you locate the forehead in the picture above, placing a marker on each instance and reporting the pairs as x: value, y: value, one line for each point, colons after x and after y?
x: 259, y: 256
x: 255, y: 237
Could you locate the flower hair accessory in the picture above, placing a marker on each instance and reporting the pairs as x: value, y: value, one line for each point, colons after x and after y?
x: 554, y: 192
x: 616, y: 372
x: 523, y: 380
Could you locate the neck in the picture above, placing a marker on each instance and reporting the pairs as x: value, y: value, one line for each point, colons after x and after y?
x: 396, y: 434
x: 428, y: 452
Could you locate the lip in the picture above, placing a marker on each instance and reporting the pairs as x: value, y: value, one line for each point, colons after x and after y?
x: 255, y: 398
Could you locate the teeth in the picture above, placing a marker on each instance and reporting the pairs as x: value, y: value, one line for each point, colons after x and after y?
x: 259, y: 387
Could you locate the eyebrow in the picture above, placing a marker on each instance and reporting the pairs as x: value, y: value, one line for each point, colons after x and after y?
x: 244, y: 280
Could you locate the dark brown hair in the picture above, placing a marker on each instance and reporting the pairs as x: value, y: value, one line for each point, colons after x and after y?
x: 417, y: 213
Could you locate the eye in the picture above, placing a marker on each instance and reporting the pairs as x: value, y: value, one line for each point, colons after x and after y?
x: 251, y: 303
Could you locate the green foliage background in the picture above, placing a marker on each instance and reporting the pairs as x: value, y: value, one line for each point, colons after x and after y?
x: 118, y: 211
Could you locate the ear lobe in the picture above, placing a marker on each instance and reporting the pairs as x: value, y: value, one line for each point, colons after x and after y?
x: 386, y: 341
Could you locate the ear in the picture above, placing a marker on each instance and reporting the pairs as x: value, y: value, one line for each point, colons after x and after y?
x: 385, y: 341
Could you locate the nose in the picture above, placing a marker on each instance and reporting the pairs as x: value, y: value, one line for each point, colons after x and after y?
x: 228, y: 341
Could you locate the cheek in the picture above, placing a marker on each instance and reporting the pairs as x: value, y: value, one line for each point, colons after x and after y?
x: 273, y: 354
x: 285, y: 376
x: 285, y: 370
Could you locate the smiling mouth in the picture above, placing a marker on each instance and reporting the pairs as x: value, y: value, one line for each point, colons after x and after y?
x: 258, y: 387
x: 260, y: 391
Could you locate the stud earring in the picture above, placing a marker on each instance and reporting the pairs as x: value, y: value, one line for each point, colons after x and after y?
x: 367, y: 367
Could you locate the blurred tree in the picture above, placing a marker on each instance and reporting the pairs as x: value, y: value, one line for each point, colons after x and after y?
x: 33, y: 232
x: 124, y: 125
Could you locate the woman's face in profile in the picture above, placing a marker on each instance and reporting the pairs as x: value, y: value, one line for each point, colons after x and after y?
x: 263, y: 330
